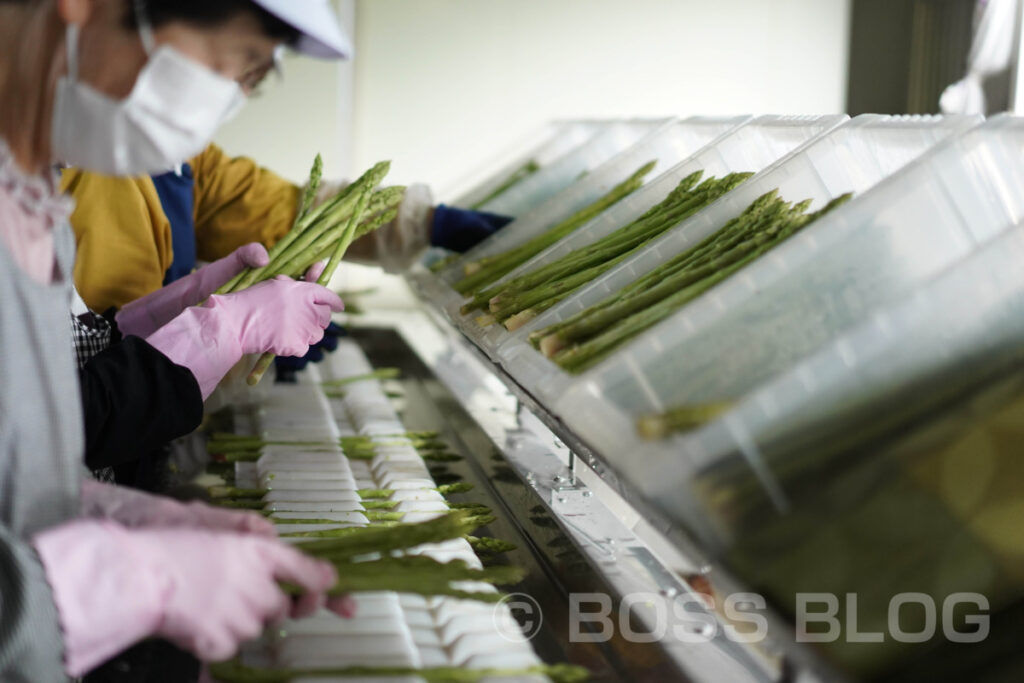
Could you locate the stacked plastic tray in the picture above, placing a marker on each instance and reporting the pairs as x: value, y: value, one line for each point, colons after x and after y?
x: 542, y: 147
x: 750, y: 146
x: 609, y: 139
x: 548, y: 196
x: 894, y: 239
x: 391, y: 630
x: 885, y: 464
x: 851, y: 158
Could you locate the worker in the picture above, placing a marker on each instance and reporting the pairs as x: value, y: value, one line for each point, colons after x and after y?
x: 127, y: 88
x: 135, y: 235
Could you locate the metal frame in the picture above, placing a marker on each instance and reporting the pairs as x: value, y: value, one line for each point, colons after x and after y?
x: 629, y: 544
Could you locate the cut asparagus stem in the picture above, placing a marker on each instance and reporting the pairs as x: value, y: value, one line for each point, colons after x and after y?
x: 738, y: 237
x: 658, y: 275
x: 444, y: 490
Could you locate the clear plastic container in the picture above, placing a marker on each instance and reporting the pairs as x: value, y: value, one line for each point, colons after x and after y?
x: 751, y: 146
x: 969, y: 316
x: 610, y: 139
x: 852, y: 158
x: 543, y: 147
x: 546, y: 197
x: 668, y: 147
x: 886, y: 462
x: 863, y: 257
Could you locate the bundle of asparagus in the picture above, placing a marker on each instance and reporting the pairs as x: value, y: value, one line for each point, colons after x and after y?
x: 519, y: 300
x: 324, y: 232
x: 588, y: 337
x: 487, y: 270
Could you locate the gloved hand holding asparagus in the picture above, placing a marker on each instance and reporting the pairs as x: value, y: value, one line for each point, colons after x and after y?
x: 324, y: 232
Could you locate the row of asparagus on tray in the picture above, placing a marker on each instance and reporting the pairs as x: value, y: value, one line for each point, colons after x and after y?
x: 517, y: 301
x: 590, y: 336
x: 365, y: 559
x: 482, y: 272
x: 362, y: 554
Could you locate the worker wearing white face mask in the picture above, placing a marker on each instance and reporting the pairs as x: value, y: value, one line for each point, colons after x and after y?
x: 87, y: 570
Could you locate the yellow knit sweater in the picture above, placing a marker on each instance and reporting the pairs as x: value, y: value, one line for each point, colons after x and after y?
x: 124, y: 237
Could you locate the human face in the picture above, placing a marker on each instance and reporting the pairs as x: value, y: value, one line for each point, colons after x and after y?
x: 112, y: 55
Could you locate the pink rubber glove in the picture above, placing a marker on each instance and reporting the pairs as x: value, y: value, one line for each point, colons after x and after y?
x: 206, y: 592
x: 281, y: 316
x: 145, y: 316
x: 133, y: 509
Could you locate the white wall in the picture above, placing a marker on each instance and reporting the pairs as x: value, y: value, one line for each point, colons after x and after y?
x: 443, y: 84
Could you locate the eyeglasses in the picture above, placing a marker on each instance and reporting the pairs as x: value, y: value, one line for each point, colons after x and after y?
x: 252, y: 80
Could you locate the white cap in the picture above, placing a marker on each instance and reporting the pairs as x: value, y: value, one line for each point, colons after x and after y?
x: 322, y: 36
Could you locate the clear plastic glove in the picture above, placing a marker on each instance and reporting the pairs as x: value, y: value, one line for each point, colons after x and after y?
x: 280, y: 316
x: 206, y: 592
x: 397, y: 245
x: 134, y: 509
x: 145, y: 316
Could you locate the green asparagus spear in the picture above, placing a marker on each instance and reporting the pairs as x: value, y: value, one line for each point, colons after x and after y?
x: 487, y: 270
x: 234, y: 672
x: 675, y: 208
x: 490, y: 546
x: 524, y: 171
x: 372, y: 539
x: 308, y: 196
x: 579, y: 358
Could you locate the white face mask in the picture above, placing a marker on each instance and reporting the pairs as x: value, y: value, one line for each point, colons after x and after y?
x: 170, y: 116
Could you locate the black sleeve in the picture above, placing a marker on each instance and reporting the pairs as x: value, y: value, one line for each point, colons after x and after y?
x: 135, y: 399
